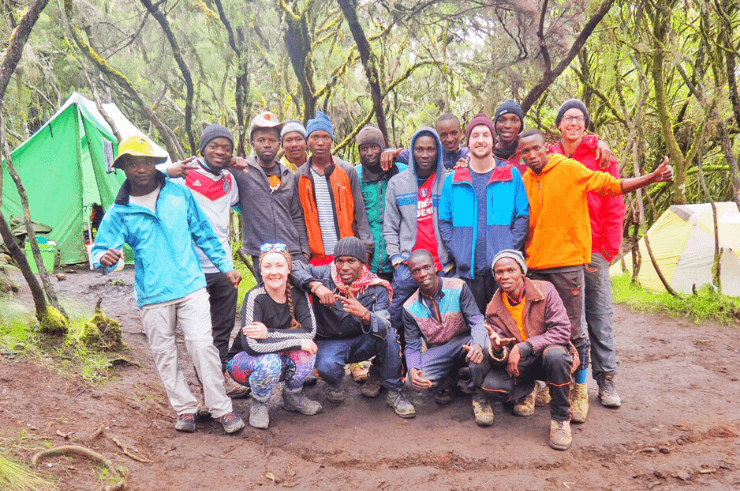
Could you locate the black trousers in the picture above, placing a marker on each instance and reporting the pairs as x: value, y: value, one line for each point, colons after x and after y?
x: 223, y: 297
x: 552, y: 365
x: 483, y: 286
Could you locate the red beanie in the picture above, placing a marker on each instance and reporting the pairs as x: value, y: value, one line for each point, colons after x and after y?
x: 480, y: 119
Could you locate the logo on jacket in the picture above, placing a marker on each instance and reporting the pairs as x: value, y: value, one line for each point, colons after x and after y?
x: 424, y: 192
x: 197, y: 183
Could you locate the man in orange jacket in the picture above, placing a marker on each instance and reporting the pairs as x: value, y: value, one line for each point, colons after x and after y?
x: 559, y: 240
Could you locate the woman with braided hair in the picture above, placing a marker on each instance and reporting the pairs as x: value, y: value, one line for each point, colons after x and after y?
x: 278, y: 327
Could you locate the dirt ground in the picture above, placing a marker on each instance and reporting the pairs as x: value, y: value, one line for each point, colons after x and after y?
x: 678, y: 426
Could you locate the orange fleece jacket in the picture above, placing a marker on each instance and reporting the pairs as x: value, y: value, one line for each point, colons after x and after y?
x: 559, y: 225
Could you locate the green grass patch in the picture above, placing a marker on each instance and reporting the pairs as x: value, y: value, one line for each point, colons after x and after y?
x: 248, y: 282
x: 705, y: 304
x: 17, y: 477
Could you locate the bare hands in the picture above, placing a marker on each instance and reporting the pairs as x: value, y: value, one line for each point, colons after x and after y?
x: 512, y: 367
x: 326, y: 297
x: 353, y: 306
x: 497, y: 341
x: 475, y: 353
x: 234, y: 277
x: 417, y: 381
x: 181, y: 168
x: 309, y: 346
x: 110, y: 257
x: 604, y: 154
x: 388, y: 158
x: 239, y: 163
x: 463, y: 163
x: 664, y: 172
x: 256, y: 330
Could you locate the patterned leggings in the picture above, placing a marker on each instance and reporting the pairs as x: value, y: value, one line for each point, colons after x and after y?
x: 263, y: 372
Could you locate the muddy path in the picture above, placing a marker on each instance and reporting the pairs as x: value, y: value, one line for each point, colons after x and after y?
x: 678, y: 426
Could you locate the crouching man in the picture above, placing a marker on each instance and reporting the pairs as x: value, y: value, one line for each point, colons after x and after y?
x: 353, y: 324
x: 438, y: 320
x: 529, y: 335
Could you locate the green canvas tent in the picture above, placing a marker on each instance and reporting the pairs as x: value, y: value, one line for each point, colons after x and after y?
x: 65, y: 168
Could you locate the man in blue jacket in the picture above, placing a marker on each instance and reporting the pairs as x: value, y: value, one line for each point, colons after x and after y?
x: 161, y: 221
x: 484, y: 209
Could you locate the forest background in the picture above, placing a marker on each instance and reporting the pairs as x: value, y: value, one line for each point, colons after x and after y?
x: 658, y: 76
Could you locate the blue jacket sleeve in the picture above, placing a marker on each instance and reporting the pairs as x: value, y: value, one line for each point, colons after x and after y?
x: 413, y: 340
x: 520, y: 224
x: 446, y: 207
x: 403, y: 157
x: 204, y: 236
x: 111, y: 235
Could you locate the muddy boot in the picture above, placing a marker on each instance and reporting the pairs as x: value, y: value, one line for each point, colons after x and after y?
x: 335, y: 393
x: 525, y: 405
x: 560, y: 437
x: 482, y: 409
x: 259, y: 414
x: 359, y: 371
x: 185, y: 423
x: 543, y: 395
x: 579, y: 403
x: 397, y: 400
x: 371, y: 387
x: 608, y: 392
x: 233, y: 389
x: 296, y: 400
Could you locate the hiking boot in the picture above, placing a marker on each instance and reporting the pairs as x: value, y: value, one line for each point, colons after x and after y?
x: 543, y: 395
x: 259, y: 414
x: 359, y: 371
x: 525, y: 405
x: 335, y: 394
x: 608, y: 392
x: 465, y: 381
x: 185, y: 423
x: 443, y: 396
x: 371, y: 387
x: 234, y: 389
x: 560, y: 438
x: 400, y: 404
x: 231, y: 422
x: 579, y: 403
x: 296, y: 400
x: 482, y: 409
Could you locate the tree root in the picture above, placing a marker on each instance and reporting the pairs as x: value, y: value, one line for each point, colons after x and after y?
x: 85, y: 452
x: 129, y: 454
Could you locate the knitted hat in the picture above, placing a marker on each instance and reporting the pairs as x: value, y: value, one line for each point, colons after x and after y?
x: 320, y: 123
x: 351, y: 246
x: 211, y: 133
x: 370, y: 135
x: 479, y: 119
x: 509, y: 107
x: 511, y: 254
x: 293, y: 126
x: 265, y: 119
x: 570, y: 104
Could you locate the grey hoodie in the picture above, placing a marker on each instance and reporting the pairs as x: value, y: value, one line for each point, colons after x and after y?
x: 401, y: 202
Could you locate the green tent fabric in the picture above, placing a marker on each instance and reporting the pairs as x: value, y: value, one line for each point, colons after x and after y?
x: 65, y: 169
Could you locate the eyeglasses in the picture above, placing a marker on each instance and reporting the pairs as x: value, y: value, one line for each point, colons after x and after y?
x: 572, y: 119
x: 273, y: 247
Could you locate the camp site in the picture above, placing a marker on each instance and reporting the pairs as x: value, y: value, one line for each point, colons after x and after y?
x: 320, y: 244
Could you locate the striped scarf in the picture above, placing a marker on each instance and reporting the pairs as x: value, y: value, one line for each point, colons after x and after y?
x: 360, y: 285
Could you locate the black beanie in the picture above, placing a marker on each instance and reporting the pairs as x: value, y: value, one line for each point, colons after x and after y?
x: 570, y: 104
x: 351, y: 246
x: 211, y: 133
x: 507, y: 107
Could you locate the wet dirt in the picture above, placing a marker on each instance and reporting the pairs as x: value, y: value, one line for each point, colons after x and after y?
x: 678, y: 427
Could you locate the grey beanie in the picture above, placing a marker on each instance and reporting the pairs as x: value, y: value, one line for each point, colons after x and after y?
x: 509, y: 107
x: 291, y: 126
x: 211, y: 133
x: 570, y: 104
x: 351, y: 246
x: 511, y: 254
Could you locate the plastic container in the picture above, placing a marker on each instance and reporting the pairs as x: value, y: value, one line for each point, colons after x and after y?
x: 48, y: 251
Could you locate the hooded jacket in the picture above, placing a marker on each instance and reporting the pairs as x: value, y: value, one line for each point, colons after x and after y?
x: 559, y: 225
x: 269, y: 217
x: 167, y: 266
x: 401, y: 203
x: 606, y: 213
x: 507, y: 215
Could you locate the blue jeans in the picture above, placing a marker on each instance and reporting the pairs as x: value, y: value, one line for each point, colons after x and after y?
x: 333, y: 354
x: 598, y: 313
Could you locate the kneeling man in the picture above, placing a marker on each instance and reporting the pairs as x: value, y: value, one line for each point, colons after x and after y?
x: 529, y: 335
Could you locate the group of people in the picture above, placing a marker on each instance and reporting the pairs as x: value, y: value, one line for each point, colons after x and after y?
x: 481, y: 267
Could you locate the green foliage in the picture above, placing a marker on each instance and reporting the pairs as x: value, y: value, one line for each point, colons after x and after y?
x: 706, y: 304
x: 16, y: 477
x: 101, y: 333
x: 248, y: 282
x: 53, y: 322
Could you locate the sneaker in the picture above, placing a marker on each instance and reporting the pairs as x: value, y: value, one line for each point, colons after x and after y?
x: 203, y: 412
x: 371, y: 387
x: 359, y: 371
x: 335, y: 394
x: 259, y: 415
x: 234, y: 389
x: 443, y: 396
x: 608, y: 392
x: 185, y: 423
x: 560, y: 437
x: 231, y: 422
x: 525, y: 405
x: 296, y: 400
x: 579, y: 403
x: 543, y: 395
x: 482, y: 410
x: 400, y: 404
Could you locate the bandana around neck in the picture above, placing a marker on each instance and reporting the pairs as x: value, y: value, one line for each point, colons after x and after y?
x: 365, y: 280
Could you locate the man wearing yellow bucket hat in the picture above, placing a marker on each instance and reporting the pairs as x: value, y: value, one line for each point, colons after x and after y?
x: 160, y: 221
